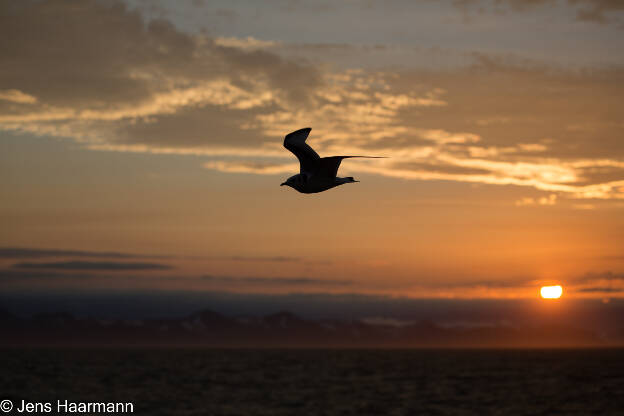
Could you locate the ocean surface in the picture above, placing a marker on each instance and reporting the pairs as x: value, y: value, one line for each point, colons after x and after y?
x: 321, y: 382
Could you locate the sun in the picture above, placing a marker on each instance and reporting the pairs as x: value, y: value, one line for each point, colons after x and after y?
x: 551, y: 292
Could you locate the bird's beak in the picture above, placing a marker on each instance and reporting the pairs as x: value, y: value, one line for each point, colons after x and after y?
x: 282, y: 184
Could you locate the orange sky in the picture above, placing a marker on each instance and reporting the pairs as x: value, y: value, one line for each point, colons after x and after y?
x: 155, y: 134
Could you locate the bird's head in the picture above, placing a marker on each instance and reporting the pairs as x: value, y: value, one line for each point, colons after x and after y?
x: 294, y: 181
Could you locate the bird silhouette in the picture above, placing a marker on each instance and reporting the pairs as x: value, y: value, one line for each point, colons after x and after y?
x: 316, y: 174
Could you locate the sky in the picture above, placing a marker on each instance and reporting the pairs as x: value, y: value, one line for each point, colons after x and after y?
x: 141, y: 147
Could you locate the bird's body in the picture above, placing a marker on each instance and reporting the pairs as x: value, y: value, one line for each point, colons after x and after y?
x: 317, y: 174
x: 315, y: 184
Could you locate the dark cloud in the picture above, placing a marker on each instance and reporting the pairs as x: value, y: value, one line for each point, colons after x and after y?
x: 330, y: 47
x: 517, y: 282
x: 294, y: 281
x: 293, y: 77
x: 35, y: 253
x: 600, y: 174
x: 598, y: 11
x: 92, y: 265
x: 495, y: 5
x: 508, y: 101
x: 98, y: 72
x: 600, y: 290
x: 190, y: 128
x: 46, y: 272
x: 101, y: 55
x: 227, y: 14
x: 506, y: 283
x: 276, y: 259
x: 17, y: 275
x: 608, y: 275
x: 89, y: 51
x: 524, y: 4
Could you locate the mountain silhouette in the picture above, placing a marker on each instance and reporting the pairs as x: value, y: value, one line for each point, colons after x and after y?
x: 281, y: 329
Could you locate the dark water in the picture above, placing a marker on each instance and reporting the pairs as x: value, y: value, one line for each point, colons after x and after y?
x: 323, y: 382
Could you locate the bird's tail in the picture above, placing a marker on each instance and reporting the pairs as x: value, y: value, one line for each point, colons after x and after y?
x: 350, y: 179
x: 366, y: 157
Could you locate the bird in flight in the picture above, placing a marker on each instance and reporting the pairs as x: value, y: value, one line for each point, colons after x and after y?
x: 316, y: 174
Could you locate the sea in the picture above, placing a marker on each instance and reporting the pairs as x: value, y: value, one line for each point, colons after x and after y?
x: 188, y: 382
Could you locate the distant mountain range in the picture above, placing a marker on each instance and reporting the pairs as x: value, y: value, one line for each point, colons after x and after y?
x: 283, y: 329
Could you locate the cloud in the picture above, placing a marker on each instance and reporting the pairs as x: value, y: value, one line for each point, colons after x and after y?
x: 92, y: 265
x: 16, y: 96
x: 130, y: 85
x: 262, y: 168
x: 508, y: 283
x: 517, y: 5
x: 596, y: 173
x: 597, y: 11
x: 35, y: 253
x: 295, y: 281
x: 119, y: 63
x: 444, y: 137
x: 93, y: 277
x: 248, y: 43
x: 593, y: 276
x: 506, y: 153
x: 600, y: 290
x: 13, y: 253
x: 275, y: 259
x: 545, y: 200
x: 17, y: 275
x: 603, y: 282
x: 441, y: 168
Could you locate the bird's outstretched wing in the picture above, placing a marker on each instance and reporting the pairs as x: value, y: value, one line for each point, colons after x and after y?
x: 328, y: 166
x: 308, y: 158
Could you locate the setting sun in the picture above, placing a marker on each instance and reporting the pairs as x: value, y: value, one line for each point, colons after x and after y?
x: 551, y: 292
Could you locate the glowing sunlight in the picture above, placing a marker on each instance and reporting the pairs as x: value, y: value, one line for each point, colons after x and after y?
x: 551, y: 292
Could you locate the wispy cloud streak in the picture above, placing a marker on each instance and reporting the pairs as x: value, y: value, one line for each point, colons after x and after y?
x: 92, y: 265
